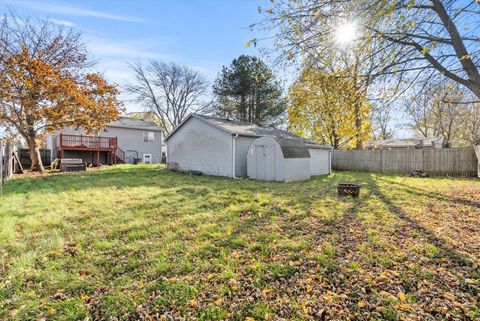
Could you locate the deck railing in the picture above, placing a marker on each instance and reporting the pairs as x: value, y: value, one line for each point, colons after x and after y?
x: 120, y: 154
x: 80, y: 142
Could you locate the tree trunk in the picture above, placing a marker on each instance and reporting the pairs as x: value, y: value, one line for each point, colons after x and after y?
x: 35, y: 157
x: 358, y: 126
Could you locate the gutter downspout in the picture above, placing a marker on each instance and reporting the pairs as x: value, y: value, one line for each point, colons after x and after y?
x: 330, y: 155
x: 233, y: 155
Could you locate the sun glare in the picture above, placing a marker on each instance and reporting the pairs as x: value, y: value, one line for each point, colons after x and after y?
x: 346, y: 33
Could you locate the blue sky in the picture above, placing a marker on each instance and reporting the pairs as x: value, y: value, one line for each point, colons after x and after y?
x: 204, y: 34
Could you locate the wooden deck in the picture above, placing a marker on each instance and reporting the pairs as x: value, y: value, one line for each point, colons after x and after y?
x: 95, y: 144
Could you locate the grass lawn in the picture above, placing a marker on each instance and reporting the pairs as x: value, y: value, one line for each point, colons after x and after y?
x: 138, y: 242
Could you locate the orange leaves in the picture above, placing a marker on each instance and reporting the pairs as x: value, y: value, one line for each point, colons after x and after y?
x: 40, y: 93
x: 361, y: 304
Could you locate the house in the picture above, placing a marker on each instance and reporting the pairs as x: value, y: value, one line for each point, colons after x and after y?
x: 125, y: 140
x: 430, y: 142
x: 221, y: 147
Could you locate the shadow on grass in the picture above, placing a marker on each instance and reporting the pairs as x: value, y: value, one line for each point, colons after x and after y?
x: 438, y: 196
x: 447, y: 248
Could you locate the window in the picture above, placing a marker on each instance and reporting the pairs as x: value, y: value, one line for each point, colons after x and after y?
x: 148, y: 137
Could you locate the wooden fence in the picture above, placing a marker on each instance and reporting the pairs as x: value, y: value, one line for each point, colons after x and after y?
x: 436, y: 162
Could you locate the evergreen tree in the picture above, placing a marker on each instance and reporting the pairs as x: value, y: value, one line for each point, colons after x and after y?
x: 248, y: 91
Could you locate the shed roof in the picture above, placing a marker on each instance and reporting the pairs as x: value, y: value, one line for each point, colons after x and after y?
x: 293, y: 146
x: 134, y: 123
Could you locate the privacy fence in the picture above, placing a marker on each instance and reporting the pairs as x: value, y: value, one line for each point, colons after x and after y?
x: 436, y: 162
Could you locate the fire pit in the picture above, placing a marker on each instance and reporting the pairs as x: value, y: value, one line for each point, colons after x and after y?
x: 348, y: 189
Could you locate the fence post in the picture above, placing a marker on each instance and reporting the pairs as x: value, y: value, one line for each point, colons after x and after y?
x: 477, y: 152
x: 382, y: 158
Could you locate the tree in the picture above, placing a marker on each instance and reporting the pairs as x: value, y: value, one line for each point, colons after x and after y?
x: 446, y: 110
x: 248, y: 91
x: 381, y: 119
x: 168, y: 90
x: 420, y: 35
x: 471, y: 121
x: 325, y: 107
x: 44, y: 85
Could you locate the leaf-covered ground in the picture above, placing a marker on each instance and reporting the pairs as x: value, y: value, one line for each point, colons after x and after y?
x: 142, y: 243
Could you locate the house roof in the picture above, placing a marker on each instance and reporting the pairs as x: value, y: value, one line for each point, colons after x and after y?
x: 134, y: 123
x: 405, y: 142
x: 293, y: 146
x: 242, y: 128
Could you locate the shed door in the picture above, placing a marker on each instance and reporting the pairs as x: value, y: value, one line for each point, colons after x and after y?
x: 265, y: 162
x: 259, y: 162
x: 269, y: 163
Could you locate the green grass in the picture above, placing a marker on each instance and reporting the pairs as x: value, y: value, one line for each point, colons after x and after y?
x: 134, y: 242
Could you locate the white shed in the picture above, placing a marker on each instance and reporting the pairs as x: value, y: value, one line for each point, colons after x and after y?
x: 278, y: 159
x: 217, y: 146
x: 320, y: 159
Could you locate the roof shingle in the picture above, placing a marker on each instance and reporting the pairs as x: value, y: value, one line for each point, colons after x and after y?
x: 135, y: 123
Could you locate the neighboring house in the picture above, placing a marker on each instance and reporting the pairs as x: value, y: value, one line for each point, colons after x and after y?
x: 126, y: 140
x: 217, y: 146
x: 430, y: 142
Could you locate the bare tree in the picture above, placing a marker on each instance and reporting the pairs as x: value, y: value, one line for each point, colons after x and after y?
x: 419, y: 109
x: 443, y: 110
x: 168, y: 90
x: 447, y: 118
x: 471, y: 123
x: 381, y: 122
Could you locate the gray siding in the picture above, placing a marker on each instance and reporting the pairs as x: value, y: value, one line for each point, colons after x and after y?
x: 297, y: 169
x: 131, y: 142
x: 242, y: 143
x: 199, y: 146
x: 319, y: 161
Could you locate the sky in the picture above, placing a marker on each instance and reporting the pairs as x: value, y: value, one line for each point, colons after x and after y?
x: 203, y: 34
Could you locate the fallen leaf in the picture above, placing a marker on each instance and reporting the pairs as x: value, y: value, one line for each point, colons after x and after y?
x: 361, y: 303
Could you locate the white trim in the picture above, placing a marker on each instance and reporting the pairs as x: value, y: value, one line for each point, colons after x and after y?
x: 149, y: 155
x: 148, y: 136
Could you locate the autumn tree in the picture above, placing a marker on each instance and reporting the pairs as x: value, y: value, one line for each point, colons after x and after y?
x: 248, y: 91
x: 45, y: 83
x: 418, y: 36
x: 168, y: 90
x: 324, y: 108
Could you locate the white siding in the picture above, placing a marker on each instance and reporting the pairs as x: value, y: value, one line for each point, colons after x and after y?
x: 277, y: 161
x: 242, y: 143
x: 297, y: 169
x: 201, y: 147
x: 319, y: 161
